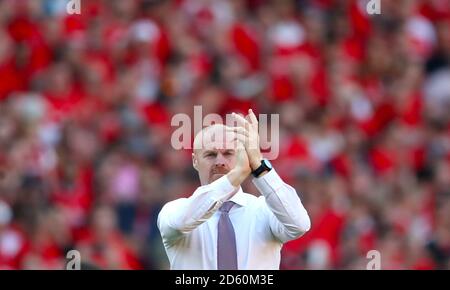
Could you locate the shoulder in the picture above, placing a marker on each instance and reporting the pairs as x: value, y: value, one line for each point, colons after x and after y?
x: 172, y: 206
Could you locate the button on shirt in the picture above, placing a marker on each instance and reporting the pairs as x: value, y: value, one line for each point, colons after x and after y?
x: 262, y: 224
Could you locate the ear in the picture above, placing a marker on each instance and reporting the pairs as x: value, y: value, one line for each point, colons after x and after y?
x: 194, y: 161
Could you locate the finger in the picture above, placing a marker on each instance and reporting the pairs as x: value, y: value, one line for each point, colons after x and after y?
x: 241, y: 139
x: 238, y: 147
x: 246, y: 137
x: 239, y: 144
x: 240, y: 120
x: 250, y: 142
x: 239, y: 130
x: 252, y: 117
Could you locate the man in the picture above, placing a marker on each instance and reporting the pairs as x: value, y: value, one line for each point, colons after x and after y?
x: 220, y: 226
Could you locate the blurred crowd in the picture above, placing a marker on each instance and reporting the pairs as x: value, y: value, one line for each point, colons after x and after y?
x: 86, y: 103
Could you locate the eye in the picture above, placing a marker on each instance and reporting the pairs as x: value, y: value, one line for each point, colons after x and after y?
x: 228, y: 153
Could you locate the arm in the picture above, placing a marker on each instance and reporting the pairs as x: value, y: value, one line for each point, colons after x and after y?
x: 288, y: 218
x: 181, y: 216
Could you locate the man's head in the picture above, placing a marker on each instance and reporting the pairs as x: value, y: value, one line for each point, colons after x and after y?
x: 214, y: 153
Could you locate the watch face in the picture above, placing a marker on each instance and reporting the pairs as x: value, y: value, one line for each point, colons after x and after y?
x: 267, y: 163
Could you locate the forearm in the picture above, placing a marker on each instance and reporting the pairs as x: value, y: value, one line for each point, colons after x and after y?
x: 292, y: 219
x: 237, y: 176
x: 289, y: 212
x: 183, y: 216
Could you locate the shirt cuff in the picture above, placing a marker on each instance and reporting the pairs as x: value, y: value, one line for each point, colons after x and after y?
x: 268, y: 183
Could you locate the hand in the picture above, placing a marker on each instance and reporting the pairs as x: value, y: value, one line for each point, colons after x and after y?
x: 242, y: 161
x: 242, y: 169
x: 247, y: 133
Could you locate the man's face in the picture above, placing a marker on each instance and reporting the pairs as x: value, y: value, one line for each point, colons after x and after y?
x: 217, y: 155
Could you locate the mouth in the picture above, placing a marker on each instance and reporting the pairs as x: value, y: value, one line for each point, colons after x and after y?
x: 222, y: 172
x: 217, y: 174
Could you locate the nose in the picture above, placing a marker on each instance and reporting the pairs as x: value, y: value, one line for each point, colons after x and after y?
x: 220, y: 160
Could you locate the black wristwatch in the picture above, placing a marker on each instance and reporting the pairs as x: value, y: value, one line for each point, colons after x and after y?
x: 265, y: 166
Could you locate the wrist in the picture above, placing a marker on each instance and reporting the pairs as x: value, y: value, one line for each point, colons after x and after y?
x: 245, y: 171
x: 256, y: 162
x: 264, y: 167
x: 238, y: 175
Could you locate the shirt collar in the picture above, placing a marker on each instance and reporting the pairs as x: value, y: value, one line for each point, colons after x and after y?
x: 239, y: 198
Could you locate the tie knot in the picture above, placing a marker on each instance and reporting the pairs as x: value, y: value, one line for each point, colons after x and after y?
x: 226, y: 206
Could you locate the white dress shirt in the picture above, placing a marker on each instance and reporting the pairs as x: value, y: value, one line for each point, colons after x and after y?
x: 262, y: 224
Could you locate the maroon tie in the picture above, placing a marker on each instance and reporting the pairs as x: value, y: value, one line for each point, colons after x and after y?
x: 226, y: 240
